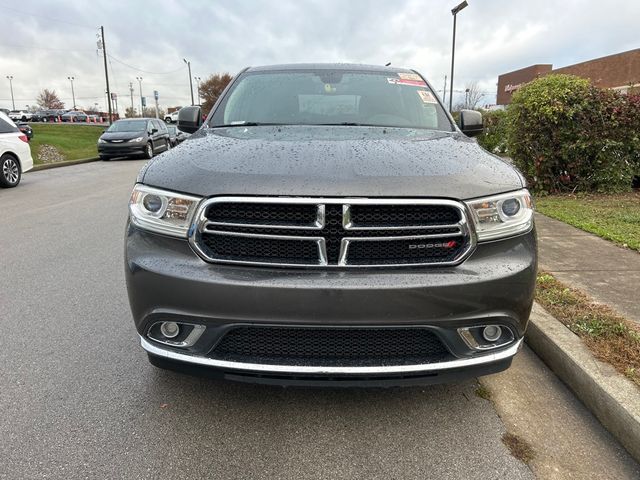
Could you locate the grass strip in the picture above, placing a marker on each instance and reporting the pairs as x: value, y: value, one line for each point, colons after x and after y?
x: 610, y: 337
x: 74, y: 142
x: 614, y: 217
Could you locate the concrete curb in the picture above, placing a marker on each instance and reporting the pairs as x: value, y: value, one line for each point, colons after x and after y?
x: 47, y: 166
x: 613, y: 399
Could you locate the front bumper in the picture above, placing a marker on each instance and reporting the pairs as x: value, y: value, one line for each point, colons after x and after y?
x: 167, y: 281
x: 121, y: 149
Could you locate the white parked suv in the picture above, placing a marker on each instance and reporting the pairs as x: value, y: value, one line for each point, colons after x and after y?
x: 171, y: 117
x: 20, y: 115
x: 15, y: 153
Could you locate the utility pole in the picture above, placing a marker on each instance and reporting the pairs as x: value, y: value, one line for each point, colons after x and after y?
x: 131, y: 91
x: 190, y: 81
x: 13, y: 103
x: 106, y: 73
x: 141, y: 104
x: 198, y: 79
x: 444, y: 90
x: 454, y: 12
x: 73, y: 94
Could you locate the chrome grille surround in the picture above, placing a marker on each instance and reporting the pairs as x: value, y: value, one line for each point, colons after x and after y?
x: 203, y: 225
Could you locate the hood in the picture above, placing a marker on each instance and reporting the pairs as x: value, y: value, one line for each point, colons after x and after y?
x: 331, y: 161
x: 122, y: 135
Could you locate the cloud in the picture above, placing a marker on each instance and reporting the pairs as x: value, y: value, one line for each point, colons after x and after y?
x: 42, y: 43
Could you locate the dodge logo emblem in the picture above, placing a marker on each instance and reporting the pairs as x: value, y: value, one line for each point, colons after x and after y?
x: 449, y: 244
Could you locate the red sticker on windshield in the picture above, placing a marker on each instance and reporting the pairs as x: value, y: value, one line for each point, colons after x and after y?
x: 403, y: 81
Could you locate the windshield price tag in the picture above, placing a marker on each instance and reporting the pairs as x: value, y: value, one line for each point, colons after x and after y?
x: 426, y: 97
x: 402, y: 81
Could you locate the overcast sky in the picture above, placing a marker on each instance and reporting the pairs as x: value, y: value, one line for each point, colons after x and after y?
x: 44, y: 42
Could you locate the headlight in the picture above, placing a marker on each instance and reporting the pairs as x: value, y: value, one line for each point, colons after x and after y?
x: 161, y: 211
x: 100, y: 140
x: 502, y: 215
x: 139, y: 139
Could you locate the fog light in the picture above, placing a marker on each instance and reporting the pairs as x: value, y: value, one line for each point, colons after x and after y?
x: 491, y: 333
x: 169, y: 329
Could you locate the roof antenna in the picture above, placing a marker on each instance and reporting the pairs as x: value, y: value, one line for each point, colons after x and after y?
x: 386, y: 65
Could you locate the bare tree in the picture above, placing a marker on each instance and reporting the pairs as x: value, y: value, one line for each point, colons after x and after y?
x: 150, y: 112
x: 49, y: 99
x: 211, y: 89
x: 130, y: 112
x: 472, y: 96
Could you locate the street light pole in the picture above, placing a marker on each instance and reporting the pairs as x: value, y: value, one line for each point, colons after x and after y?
x: 131, y: 91
x: 190, y: 81
x: 141, y: 105
x: 13, y: 103
x: 73, y: 94
x: 197, y: 79
x: 454, y: 12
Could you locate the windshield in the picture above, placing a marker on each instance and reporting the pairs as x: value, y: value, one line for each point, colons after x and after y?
x: 332, y: 97
x: 128, y: 126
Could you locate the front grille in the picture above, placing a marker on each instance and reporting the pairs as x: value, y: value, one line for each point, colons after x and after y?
x: 256, y: 249
x: 403, y: 251
x: 332, y: 232
x: 327, y: 346
x: 402, y: 215
x: 263, y: 214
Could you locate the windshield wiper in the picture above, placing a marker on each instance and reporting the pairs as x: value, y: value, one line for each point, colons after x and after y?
x: 348, y: 124
x: 246, y: 124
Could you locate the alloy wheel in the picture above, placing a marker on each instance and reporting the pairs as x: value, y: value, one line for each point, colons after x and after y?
x: 10, y: 170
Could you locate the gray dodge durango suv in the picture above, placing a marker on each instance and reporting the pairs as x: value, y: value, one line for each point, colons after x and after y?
x: 329, y: 224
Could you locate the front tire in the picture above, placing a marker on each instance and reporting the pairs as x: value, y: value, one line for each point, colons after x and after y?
x: 10, y: 172
x: 148, y: 151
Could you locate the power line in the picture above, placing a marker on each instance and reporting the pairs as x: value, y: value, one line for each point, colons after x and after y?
x: 43, y: 48
x: 144, y: 71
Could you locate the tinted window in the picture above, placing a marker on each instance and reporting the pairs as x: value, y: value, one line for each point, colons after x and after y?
x: 162, y: 128
x: 317, y: 97
x: 128, y: 126
x: 6, y: 127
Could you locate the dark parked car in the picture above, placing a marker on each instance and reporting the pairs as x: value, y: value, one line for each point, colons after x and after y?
x: 26, y: 129
x: 134, y: 136
x: 176, y: 136
x: 52, y: 115
x: 74, y: 116
x: 330, y: 224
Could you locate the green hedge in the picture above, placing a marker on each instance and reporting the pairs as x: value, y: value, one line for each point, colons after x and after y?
x: 494, y: 137
x: 567, y: 135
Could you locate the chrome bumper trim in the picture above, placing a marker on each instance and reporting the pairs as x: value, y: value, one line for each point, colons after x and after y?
x: 316, y: 370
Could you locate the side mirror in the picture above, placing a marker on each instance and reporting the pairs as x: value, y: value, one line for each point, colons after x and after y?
x: 470, y: 122
x: 154, y: 130
x: 189, y: 119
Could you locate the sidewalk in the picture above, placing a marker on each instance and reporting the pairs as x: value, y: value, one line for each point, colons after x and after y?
x: 606, y: 272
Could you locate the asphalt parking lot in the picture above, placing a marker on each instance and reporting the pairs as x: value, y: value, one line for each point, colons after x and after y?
x: 79, y: 399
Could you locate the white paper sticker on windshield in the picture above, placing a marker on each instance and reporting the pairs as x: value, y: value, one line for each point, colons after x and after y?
x: 410, y: 76
x: 402, y: 81
x: 427, y: 97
